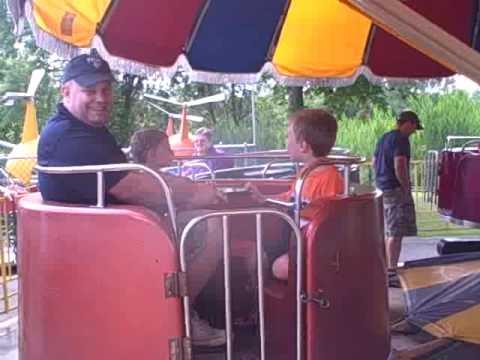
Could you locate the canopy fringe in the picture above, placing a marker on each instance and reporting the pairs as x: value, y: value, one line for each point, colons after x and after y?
x: 67, y: 51
x: 48, y: 41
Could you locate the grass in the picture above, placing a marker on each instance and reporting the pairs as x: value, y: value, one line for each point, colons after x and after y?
x: 431, y: 224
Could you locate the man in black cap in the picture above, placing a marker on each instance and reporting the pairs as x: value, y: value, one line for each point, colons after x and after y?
x: 391, y: 162
x: 77, y: 135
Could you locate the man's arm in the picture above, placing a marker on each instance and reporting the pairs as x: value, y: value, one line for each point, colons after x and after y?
x: 401, y: 172
x: 141, y: 189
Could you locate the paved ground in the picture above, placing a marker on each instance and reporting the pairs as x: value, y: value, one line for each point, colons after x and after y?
x: 413, y: 248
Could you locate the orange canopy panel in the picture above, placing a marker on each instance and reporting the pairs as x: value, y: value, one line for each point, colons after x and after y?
x: 72, y: 21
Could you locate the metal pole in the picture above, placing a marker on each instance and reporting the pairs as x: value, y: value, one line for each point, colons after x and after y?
x: 254, y: 119
x: 228, y: 298
x: 100, y: 189
x: 261, y: 302
x: 346, y: 179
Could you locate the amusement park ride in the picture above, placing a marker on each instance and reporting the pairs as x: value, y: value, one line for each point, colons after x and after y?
x: 181, y: 142
x: 21, y: 159
x: 104, y: 291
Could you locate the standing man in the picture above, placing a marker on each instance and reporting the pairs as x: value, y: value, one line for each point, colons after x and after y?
x: 391, y: 162
x: 77, y: 135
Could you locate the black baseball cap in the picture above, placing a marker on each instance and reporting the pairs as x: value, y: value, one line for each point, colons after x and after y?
x: 87, y: 70
x: 409, y: 116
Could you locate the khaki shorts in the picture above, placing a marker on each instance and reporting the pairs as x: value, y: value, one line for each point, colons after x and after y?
x: 399, y: 213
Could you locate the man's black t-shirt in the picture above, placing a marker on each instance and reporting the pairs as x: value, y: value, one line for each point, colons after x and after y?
x: 391, y: 144
x: 67, y: 141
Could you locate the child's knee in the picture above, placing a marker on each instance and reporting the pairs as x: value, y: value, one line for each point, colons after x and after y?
x: 280, y: 267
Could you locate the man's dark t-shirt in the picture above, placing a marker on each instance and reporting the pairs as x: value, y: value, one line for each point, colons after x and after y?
x: 67, y: 141
x: 391, y: 144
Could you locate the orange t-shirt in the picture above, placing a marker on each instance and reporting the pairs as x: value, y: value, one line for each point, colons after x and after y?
x: 321, y: 183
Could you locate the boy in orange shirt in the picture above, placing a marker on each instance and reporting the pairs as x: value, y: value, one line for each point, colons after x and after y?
x: 311, y: 135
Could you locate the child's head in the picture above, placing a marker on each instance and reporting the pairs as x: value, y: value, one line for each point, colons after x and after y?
x: 203, y: 141
x: 311, y: 134
x: 151, y: 148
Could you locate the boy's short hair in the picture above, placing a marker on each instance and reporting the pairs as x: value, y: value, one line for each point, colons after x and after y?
x: 317, y: 127
x: 144, y: 140
x: 204, y: 131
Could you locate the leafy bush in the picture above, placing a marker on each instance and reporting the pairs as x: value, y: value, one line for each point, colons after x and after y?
x: 453, y: 113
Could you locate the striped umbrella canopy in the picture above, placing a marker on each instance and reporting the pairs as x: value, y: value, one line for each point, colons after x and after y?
x: 325, y: 42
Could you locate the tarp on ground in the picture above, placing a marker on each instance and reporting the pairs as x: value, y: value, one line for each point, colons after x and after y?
x: 443, y: 295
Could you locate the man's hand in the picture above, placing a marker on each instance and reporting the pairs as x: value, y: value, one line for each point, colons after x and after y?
x: 401, y: 172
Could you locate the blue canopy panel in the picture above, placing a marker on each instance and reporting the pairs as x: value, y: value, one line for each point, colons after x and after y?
x: 234, y: 36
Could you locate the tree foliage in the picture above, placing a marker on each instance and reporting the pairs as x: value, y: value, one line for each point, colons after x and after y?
x: 358, y: 106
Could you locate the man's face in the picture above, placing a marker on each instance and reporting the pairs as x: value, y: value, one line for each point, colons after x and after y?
x: 294, y: 149
x: 160, y: 156
x: 91, y: 105
x: 408, y: 128
x: 201, y: 144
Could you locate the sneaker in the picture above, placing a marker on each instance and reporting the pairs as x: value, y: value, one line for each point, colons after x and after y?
x: 205, y: 335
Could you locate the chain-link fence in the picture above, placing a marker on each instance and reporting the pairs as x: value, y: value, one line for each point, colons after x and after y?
x: 20, y: 170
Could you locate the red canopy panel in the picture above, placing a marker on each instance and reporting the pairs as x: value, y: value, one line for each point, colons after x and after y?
x: 391, y: 57
x: 155, y: 37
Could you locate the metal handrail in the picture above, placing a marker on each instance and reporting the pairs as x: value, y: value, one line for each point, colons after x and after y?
x: 7, y: 157
x: 101, y: 169
x: 330, y: 159
x: 470, y: 142
x: 194, y: 164
x: 300, y: 182
x: 450, y: 138
x: 270, y: 164
x: 226, y: 251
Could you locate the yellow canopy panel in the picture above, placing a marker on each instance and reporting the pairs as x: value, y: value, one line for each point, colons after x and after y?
x: 464, y: 326
x: 321, y: 39
x: 72, y: 21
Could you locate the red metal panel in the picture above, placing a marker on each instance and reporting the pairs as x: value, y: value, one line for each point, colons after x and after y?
x: 151, y: 31
x: 345, y: 266
x: 466, y: 192
x: 92, y: 283
x: 391, y: 57
x: 447, y: 171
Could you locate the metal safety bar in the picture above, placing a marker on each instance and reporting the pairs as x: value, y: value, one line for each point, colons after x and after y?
x: 346, y: 161
x: 452, y: 138
x: 330, y: 159
x: 431, y: 163
x: 469, y: 143
x: 225, y: 215
x: 201, y: 164
x: 271, y: 163
x: 101, y: 169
